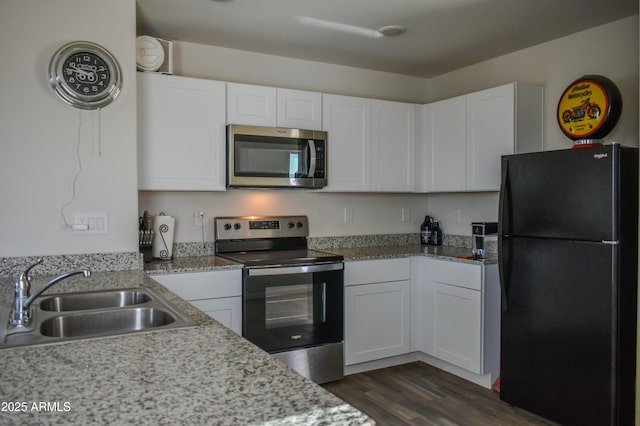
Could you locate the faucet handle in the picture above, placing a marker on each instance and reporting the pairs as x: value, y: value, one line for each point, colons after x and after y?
x: 24, y: 276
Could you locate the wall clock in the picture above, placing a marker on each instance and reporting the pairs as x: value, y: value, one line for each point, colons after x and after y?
x: 85, y: 75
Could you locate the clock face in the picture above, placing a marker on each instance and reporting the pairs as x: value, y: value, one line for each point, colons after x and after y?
x: 85, y: 75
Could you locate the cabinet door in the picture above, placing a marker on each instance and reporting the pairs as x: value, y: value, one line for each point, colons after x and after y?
x: 458, y: 326
x: 348, y: 122
x: 490, y: 134
x: 226, y: 310
x: 445, y: 145
x: 299, y: 109
x: 251, y: 105
x: 181, y: 133
x: 393, y: 146
x: 377, y: 318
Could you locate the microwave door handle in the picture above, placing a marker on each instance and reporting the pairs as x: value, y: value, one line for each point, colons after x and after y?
x: 312, y: 158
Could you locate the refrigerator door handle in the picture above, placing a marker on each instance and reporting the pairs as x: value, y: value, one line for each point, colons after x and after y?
x: 502, y: 227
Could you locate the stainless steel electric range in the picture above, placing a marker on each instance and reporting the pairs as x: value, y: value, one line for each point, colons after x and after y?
x: 292, y: 297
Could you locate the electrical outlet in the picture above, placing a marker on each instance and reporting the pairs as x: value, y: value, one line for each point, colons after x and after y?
x: 90, y: 223
x: 456, y: 215
x: 199, y: 218
x: 348, y: 215
x: 406, y: 214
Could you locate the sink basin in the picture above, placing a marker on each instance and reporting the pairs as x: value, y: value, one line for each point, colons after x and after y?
x: 83, y: 315
x: 94, y: 300
x: 115, y: 321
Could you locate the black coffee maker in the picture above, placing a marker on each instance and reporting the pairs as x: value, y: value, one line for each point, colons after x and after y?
x: 480, y: 231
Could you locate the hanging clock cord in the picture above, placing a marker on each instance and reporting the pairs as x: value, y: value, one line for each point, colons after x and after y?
x: 78, y: 161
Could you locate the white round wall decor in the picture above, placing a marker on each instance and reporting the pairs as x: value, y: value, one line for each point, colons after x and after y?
x: 85, y: 75
x: 149, y: 53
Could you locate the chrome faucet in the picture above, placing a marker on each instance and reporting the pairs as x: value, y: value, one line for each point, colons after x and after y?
x: 21, y: 312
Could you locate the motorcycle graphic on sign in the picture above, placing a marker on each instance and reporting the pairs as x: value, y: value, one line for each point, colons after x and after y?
x: 589, y: 108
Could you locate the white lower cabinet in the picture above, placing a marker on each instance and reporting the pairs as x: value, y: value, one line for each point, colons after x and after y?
x: 377, y: 309
x: 457, y: 313
x: 216, y: 293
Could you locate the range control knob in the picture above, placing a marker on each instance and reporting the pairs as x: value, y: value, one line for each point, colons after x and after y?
x: 290, y: 225
x: 299, y: 225
x: 236, y: 226
x: 227, y: 226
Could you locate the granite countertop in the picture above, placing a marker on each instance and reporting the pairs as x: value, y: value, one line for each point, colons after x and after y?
x: 451, y: 253
x: 190, y: 264
x: 215, y: 263
x: 204, y: 374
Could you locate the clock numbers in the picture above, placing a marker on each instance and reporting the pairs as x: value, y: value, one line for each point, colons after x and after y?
x: 86, y: 73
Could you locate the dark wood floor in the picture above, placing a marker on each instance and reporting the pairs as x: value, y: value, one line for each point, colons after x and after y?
x: 418, y: 394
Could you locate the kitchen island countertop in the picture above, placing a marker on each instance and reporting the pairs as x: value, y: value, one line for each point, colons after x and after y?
x: 204, y: 374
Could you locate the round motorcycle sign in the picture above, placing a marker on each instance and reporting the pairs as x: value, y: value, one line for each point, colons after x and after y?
x: 589, y: 108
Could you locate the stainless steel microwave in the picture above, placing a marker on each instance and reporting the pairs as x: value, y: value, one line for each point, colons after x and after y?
x: 273, y: 157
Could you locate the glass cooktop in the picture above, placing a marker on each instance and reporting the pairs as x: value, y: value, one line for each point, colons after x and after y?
x: 280, y: 257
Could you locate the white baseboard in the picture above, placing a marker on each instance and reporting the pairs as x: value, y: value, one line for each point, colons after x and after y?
x: 482, y: 380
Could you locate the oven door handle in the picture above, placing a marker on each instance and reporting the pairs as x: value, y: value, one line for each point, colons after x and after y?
x: 287, y: 270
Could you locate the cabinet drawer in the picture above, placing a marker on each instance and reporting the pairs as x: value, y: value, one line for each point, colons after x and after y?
x: 203, y: 285
x: 376, y: 271
x: 456, y: 273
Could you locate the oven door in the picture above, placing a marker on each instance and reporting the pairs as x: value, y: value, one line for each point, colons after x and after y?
x: 293, y: 306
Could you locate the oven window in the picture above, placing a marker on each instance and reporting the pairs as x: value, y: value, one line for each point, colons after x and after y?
x: 288, y: 305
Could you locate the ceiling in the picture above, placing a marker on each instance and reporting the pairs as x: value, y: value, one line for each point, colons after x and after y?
x: 441, y: 35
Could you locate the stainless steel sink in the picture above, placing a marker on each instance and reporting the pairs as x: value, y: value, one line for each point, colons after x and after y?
x: 94, y: 300
x: 72, y: 316
x: 114, y: 321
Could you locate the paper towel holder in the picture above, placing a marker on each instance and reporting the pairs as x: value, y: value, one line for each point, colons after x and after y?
x: 163, y: 238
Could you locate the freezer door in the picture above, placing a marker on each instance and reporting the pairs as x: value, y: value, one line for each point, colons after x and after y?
x: 558, y: 351
x: 567, y: 194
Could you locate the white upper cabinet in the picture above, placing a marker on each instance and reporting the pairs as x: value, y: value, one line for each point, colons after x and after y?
x: 348, y: 123
x: 490, y: 134
x: 393, y: 146
x: 181, y: 133
x: 462, y: 139
x: 441, y: 150
x: 371, y: 144
x: 299, y: 109
x: 251, y: 105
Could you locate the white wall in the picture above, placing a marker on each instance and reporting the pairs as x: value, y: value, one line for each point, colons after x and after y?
x: 38, y: 133
x: 218, y: 63
x: 372, y: 214
x: 610, y: 50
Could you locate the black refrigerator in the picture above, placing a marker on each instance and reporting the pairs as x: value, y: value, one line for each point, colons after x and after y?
x: 568, y: 255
